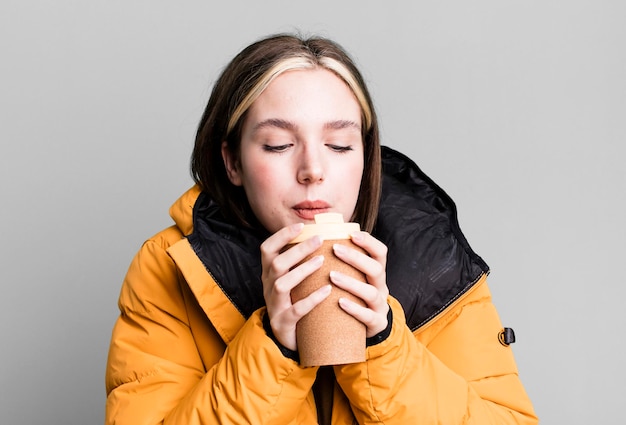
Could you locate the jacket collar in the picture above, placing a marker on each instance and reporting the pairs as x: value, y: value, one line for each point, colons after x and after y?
x: 182, y: 210
x: 429, y: 263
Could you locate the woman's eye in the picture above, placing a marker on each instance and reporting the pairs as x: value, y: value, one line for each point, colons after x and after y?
x: 276, y: 148
x: 340, y: 149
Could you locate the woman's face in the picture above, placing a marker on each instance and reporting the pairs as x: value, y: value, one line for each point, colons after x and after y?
x: 301, y: 150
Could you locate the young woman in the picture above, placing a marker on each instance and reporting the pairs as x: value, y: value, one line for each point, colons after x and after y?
x: 207, y: 330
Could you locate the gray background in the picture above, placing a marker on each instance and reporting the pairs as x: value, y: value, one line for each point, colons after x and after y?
x: 516, y: 108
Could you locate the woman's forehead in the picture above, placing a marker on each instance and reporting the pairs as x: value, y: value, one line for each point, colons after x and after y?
x: 306, y: 95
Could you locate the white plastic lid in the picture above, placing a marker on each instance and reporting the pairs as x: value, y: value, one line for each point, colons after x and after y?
x: 328, y: 226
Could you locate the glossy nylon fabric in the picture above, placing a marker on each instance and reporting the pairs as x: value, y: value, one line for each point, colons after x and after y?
x: 429, y: 262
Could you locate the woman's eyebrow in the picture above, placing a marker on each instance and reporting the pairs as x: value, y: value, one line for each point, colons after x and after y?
x: 342, y: 124
x: 277, y: 123
x: 291, y: 126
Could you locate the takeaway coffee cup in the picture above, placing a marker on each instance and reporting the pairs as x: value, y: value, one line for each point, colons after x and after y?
x: 328, y: 335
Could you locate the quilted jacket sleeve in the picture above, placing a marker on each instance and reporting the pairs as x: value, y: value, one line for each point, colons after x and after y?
x: 454, y: 372
x: 155, y: 375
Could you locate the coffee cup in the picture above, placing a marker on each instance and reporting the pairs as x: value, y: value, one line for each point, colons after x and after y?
x: 328, y: 335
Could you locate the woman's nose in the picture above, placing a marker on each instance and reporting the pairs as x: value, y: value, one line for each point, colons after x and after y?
x: 310, y: 168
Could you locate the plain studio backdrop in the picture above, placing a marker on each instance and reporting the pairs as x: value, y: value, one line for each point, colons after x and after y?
x: 516, y: 108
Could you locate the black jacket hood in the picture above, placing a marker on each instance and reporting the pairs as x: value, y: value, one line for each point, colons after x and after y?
x: 429, y: 264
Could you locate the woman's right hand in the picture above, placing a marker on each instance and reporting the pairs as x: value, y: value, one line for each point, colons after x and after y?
x: 280, y: 276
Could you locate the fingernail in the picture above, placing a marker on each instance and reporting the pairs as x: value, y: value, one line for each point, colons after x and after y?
x: 338, y: 248
x: 297, y: 227
x: 356, y: 236
x: 316, y: 240
x: 326, y: 289
x: 318, y: 260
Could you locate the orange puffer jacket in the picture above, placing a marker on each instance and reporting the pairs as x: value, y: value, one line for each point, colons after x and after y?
x: 190, y: 348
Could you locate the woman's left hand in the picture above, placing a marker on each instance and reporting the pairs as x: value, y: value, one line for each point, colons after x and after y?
x: 374, y: 314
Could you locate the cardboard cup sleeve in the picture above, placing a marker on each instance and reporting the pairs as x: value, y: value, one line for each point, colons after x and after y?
x: 328, y: 335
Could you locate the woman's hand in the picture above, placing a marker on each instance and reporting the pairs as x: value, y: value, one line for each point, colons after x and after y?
x: 374, y: 314
x: 280, y: 276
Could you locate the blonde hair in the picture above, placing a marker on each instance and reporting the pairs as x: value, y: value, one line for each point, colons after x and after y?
x: 299, y: 63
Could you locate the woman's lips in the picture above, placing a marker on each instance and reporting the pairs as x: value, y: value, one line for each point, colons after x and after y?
x: 306, y: 210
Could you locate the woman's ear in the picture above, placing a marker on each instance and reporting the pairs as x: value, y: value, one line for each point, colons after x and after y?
x: 231, y: 164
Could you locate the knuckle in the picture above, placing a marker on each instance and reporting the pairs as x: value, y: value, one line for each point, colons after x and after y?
x: 382, y: 275
x: 372, y: 296
x: 378, y: 272
x: 280, y: 266
x: 299, y: 309
x: 281, y: 287
x: 265, y: 249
